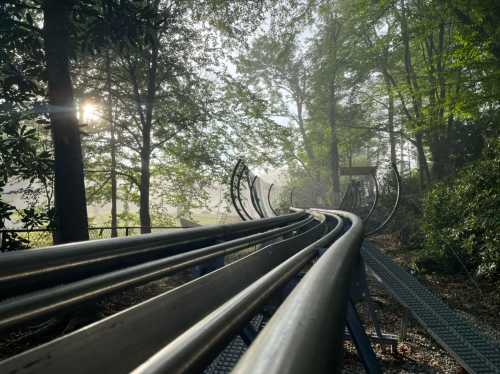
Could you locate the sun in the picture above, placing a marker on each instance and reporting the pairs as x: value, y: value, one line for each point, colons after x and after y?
x: 89, y: 113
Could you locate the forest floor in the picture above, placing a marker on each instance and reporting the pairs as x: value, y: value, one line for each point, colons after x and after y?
x: 477, y: 301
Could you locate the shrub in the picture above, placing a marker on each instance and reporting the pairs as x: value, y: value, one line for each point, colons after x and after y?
x: 461, y: 219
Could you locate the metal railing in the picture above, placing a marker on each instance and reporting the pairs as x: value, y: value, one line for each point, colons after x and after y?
x: 192, y: 350
x: 185, y: 329
x: 202, y: 314
x: 311, y: 319
x: 29, y: 270
x: 43, y: 237
x: 48, y: 301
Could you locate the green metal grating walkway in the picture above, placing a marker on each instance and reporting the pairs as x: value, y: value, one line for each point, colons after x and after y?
x: 472, y: 350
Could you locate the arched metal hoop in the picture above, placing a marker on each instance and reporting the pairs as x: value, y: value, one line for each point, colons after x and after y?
x: 375, y: 200
x: 269, y: 199
x: 394, y: 208
x: 244, y: 172
x: 231, y: 191
x: 235, y: 190
x: 291, y: 196
x: 254, y: 197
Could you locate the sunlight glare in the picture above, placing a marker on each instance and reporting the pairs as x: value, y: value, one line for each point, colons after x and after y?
x: 90, y: 113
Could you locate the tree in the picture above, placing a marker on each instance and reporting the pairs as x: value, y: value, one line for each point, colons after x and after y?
x: 174, y: 98
x: 70, y: 203
x: 275, y: 66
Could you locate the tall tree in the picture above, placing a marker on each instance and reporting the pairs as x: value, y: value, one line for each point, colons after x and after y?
x: 70, y: 203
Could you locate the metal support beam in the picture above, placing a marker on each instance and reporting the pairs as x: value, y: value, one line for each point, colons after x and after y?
x: 361, y: 341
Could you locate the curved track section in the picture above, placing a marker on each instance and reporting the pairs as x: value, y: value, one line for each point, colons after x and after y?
x: 185, y: 329
x: 26, y: 271
x: 281, y: 306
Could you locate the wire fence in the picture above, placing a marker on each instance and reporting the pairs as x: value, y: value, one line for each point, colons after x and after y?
x: 15, y: 239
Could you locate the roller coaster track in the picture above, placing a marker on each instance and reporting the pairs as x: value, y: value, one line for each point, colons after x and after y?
x: 283, y: 307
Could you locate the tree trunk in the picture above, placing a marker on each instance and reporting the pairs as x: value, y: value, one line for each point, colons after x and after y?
x: 402, y: 155
x: 439, y: 140
x: 390, y: 122
x: 70, y: 203
x: 146, y: 140
x: 144, y: 216
x: 300, y: 120
x: 423, y: 168
x: 334, y: 150
x: 416, y: 95
x: 309, y: 151
x: 112, y: 144
x: 332, y: 115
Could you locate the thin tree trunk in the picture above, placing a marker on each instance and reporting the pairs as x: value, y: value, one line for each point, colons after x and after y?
x: 332, y: 119
x: 390, y: 122
x: 146, y: 143
x: 416, y: 96
x: 402, y: 155
x: 439, y: 141
x: 309, y: 150
x: 144, y: 215
x: 70, y: 203
x: 302, y: 129
x: 423, y: 168
x: 334, y: 151
x: 112, y: 144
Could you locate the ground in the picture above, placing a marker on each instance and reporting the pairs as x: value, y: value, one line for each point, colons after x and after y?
x: 477, y: 301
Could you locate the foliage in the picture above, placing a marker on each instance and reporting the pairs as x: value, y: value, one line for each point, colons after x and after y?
x: 461, y: 221
x: 25, y: 158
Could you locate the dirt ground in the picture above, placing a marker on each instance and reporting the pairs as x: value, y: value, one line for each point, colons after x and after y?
x: 477, y: 301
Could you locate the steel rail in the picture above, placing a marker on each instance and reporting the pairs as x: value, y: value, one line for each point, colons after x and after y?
x: 394, y: 207
x: 357, y: 199
x: 306, y: 333
x: 238, y: 190
x: 192, y: 350
x: 254, y: 198
x: 269, y: 199
x: 252, y: 195
x: 375, y: 200
x: 123, y: 341
x: 259, y: 188
x: 34, y: 269
x: 91, y: 228
x: 231, y: 191
x: 350, y: 201
x: 33, y: 305
x: 259, y: 200
x: 345, y: 197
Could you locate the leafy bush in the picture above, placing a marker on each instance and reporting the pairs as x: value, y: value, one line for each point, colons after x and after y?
x: 461, y: 219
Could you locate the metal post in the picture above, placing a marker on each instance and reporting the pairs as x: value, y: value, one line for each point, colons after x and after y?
x: 361, y: 341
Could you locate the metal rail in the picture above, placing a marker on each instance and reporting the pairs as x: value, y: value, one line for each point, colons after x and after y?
x: 290, y: 323
x: 269, y: 199
x: 48, y: 301
x: 36, y: 269
x: 123, y: 341
x: 192, y: 350
x: 233, y: 195
x: 394, y: 207
x: 244, y: 172
x: 41, y: 229
x: 305, y: 335
x: 375, y: 200
x: 254, y: 198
